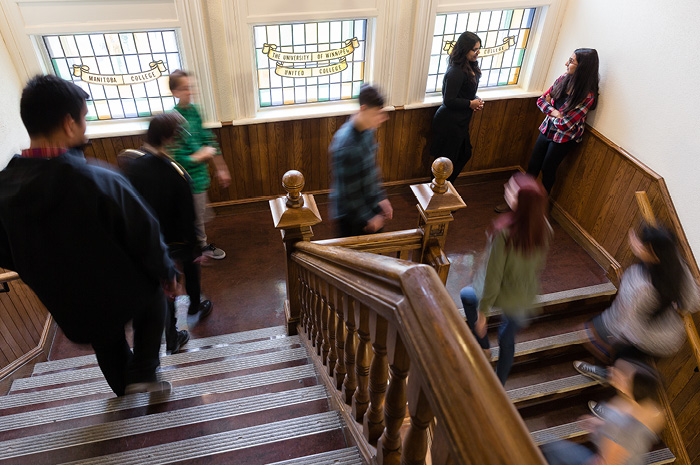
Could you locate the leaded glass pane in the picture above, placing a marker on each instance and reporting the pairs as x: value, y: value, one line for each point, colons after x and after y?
x: 125, y: 73
x: 504, y: 35
x: 293, y: 66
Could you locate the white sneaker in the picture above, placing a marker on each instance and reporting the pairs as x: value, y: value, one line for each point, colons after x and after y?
x: 212, y: 251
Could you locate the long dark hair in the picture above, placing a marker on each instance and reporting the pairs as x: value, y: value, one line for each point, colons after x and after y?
x: 458, y: 57
x: 584, y: 80
x: 667, y: 276
x: 528, y: 223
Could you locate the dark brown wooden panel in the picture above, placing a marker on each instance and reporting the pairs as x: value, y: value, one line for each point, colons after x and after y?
x: 259, y: 154
x: 596, y: 186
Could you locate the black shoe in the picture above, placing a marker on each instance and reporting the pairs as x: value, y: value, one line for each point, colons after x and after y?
x: 204, y: 309
x: 598, y: 409
x: 594, y: 372
x: 182, y: 338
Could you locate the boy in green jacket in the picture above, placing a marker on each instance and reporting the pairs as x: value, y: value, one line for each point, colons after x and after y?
x: 193, y: 149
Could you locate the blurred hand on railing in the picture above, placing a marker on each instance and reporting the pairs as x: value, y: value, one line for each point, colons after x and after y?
x: 375, y: 224
x: 387, y: 209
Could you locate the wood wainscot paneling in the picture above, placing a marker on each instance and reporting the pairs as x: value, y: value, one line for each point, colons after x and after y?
x: 594, y: 200
x: 259, y: 154
x: 25, y: 324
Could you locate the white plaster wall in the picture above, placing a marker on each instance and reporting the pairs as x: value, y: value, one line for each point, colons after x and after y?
x: 649, y: 102
x: 13, y: 136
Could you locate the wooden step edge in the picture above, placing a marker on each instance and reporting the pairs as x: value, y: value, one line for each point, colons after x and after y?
x: 556, y: 298
x: 232, y: 338
x: 348, y: 456
x: 247, y: 349
x: 576, y: 429
x: 544, y: 344
x: 550, y: 388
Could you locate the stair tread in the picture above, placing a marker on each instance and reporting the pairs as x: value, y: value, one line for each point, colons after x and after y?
x: 546, y: 343
x: 349, y: 456
x: 112, y: 404
x: 177, y: 374
x: 547, y: 388
x: 204, y: 446
x: 569, y: 295
x: 84, y: 374
x: 158, y: 421
x: 233, y: 338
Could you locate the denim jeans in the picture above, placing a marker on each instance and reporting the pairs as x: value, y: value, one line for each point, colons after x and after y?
x: 567, y: 453
x: 506, y: 332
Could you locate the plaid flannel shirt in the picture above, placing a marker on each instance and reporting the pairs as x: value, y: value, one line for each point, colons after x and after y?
x: 356, y: 189
x: 572, y: 122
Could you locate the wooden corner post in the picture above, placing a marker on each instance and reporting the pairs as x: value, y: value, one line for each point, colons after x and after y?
x: 293, y: 214
x: 436, y: 202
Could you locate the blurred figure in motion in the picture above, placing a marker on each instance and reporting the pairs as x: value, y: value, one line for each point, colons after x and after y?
x: 644, y: 319
x: 625, y: 429
x: 81, y: 237
x: 358, y: 201
x: 509, y: 275
x: 193, y: 149
x: 165, y: 185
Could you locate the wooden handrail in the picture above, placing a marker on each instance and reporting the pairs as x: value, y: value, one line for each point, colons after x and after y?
x: 8, y: 276
x: 690, y: 328
x: 458, y: 383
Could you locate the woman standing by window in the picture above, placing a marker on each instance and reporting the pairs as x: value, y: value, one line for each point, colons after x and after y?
x: 459, y: 101
x: 565, y: 105
x: 509, y: 277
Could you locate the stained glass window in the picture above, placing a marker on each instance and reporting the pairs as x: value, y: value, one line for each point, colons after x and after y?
x: 504, y: 35
x: 124, y: 73
x: 310, y: 62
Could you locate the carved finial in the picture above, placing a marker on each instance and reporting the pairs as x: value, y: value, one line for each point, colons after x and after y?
x: 293, y: 183
x: 442, y: 169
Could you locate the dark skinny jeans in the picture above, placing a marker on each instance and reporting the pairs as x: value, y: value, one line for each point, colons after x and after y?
x: 546, y: 157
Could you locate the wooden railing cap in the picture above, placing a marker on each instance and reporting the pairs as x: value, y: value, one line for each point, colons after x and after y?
x: 440, y: 194
x: 295, y: 209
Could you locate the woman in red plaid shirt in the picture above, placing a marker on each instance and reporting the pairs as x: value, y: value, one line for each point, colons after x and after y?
x: 565, y: 105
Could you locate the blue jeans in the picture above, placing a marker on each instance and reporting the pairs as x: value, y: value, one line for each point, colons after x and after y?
x: 567, y: 453
x: 506, y: 332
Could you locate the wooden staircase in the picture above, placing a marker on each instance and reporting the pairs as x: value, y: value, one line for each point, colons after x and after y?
x: 250, y: 397
x: 549, y: 393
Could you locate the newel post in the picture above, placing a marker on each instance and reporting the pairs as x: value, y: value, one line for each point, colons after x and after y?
x: 436, y: 202
x: 294, y: 214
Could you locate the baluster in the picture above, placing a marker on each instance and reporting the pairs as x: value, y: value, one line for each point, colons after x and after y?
x: 303, y: 300
x: 373, y: 422
x: 415, y: 444
x: 332, y: 328
x: 324, y: 342
x: 318, y: 310
x: 340, y: 335
x: 350, y: 382
x: 313, y: 301
x: 389, y: 445
x: 361, y: 398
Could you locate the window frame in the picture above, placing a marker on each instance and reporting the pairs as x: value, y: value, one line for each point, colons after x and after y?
x: 536, y: 60
x: 239, y: 23
x: 30, y: 56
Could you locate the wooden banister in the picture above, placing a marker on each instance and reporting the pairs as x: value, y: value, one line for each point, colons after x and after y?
x: 690, y: 328
x: 417, y: 324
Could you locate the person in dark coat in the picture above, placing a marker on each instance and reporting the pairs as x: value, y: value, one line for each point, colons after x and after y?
x: 84, y: 241
x: 459, y: 102
x: 165, y: 185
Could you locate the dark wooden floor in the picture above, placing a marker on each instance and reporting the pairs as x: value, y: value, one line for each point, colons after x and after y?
x: 248, y: 286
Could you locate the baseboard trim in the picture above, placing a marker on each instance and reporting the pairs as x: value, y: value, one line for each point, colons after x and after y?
x: 674, y: 438
x: 611, y: 266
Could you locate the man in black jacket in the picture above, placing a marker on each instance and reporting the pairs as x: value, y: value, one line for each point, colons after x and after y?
x: 81, y: 237
x: 165, y: 185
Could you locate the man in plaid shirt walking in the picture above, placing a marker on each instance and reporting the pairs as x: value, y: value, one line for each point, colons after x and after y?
x: 358, y: 201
